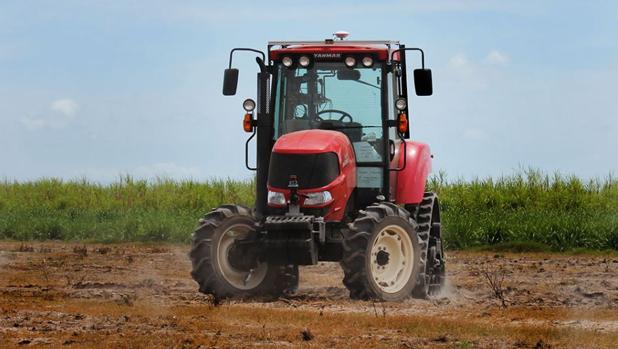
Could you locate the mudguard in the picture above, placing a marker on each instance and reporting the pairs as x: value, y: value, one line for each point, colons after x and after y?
x: 409, y: 183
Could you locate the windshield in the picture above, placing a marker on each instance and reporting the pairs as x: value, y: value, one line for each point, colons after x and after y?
x: 330, y: 95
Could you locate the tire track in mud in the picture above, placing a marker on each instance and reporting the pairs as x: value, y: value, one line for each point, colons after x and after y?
x: 60, y: 293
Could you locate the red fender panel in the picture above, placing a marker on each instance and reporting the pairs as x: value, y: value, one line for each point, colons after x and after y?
x: 410, y: 182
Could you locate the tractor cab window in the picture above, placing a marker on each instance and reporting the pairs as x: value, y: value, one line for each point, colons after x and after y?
x: 329, y: 95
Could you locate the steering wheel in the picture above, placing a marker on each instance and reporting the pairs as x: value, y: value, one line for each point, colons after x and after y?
x: 343, y: 114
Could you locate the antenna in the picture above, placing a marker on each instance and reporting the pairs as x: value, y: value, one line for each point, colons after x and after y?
x: 341, y: 34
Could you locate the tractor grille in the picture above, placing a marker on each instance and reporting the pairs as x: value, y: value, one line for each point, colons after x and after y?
x: 312, y: 170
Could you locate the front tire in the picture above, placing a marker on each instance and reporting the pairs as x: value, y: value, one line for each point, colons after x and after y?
x: 381, y: 254
x: 225, y: 274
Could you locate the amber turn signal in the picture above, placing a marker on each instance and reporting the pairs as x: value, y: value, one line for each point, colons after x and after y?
x: 247, y: 123
x: 402, y: 123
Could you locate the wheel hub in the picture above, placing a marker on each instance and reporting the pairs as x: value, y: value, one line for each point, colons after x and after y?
x: 242, y: 257
x: 392, y: 256
x: 382, y: 258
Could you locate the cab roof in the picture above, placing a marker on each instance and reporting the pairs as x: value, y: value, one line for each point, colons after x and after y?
x: 379, y: 48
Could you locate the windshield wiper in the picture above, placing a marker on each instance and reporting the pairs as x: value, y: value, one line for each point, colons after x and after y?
x: 366, y: 83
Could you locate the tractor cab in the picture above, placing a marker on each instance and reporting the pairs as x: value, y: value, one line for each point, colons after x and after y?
x: 337, y: 177
x: 332, y: 96
x: 356, y: 88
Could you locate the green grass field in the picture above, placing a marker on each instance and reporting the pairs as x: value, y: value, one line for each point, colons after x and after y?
x: 526, y: 211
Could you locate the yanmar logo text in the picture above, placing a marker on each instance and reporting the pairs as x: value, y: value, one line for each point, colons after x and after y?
x: 327, y: 55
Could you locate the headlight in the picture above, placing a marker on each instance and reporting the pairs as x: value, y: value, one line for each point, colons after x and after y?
x: 304, y: 61
x: 276, y: 198
x: 287, y: 61
x: 320, y: 198
x: 350, y: 61
x: 401, y: 104
x: 367, y: 61
x: 248, y: 105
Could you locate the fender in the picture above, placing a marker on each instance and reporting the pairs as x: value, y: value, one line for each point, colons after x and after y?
x: 410, y: 182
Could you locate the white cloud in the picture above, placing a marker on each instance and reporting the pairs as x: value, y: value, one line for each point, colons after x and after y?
x: 476, y: 74
x: 463, y: 72
x: 458, y: 61
x: 67, y: 106
x: 496, y: 57
x: 59, y: 115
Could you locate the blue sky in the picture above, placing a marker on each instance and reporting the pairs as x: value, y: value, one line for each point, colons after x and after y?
x: 101, y: 88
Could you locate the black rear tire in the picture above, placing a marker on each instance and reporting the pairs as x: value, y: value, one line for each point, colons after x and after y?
x: 216, y: 274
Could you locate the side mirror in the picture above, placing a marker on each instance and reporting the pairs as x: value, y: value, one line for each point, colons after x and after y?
x: 230, y: 81
x: 422, y: 82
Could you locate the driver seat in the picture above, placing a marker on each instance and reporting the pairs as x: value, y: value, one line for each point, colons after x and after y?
x: 292, y: 125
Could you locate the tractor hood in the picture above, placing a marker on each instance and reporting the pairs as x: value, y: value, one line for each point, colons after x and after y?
x: 316, y: 157
x: 322, y: 161
x: 312, y: 142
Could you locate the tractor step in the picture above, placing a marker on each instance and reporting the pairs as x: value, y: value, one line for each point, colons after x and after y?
x: 289, y: 222
x: 297, y: 222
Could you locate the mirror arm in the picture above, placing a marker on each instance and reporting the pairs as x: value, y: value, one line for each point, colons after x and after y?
x: 411, y: 49
x: 245, y: 49
x: 230, y: 80
x: 260, y: 62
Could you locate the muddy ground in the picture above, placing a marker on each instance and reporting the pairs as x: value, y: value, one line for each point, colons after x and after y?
x: 74, y: 295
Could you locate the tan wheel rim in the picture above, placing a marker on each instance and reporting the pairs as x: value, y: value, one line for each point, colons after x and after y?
x: 240, y: 279
x: 392, y: 259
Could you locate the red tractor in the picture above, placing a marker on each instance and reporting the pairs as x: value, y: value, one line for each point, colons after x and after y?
x: 338, y: 178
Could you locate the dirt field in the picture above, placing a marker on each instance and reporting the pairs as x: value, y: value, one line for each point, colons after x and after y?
x: 71, y: 295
